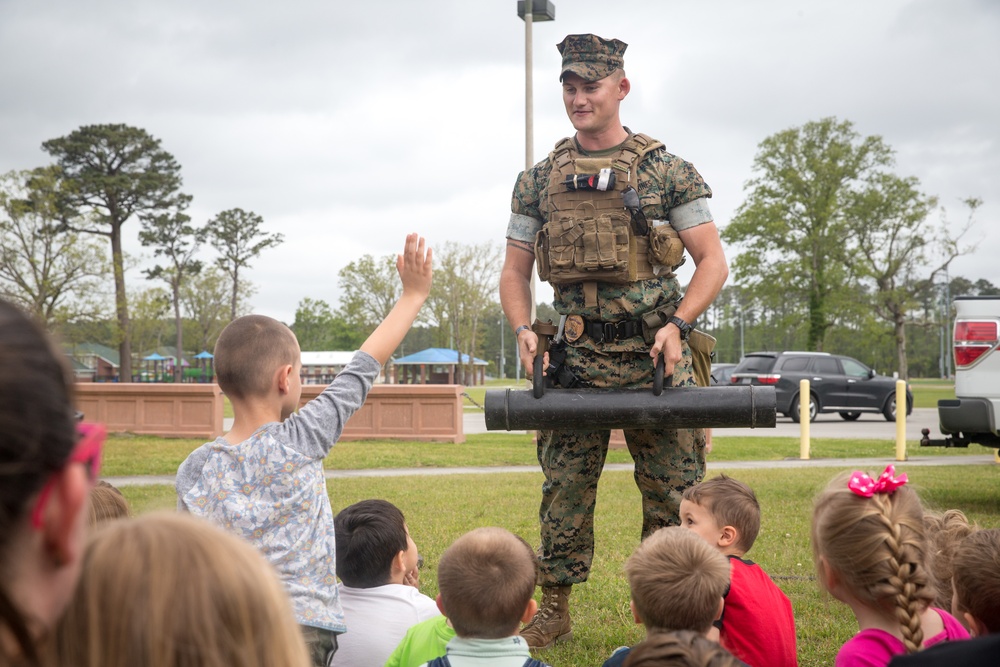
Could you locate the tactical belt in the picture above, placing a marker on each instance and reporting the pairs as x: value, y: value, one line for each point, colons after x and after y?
x: 608, y: 332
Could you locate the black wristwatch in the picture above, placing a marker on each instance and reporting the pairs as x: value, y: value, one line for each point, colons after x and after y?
x: 682, y: 325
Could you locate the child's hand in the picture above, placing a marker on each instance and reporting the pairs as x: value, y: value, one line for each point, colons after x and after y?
x: 414, y: 267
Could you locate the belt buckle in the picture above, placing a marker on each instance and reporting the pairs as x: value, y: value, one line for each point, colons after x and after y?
x: 610, y: 332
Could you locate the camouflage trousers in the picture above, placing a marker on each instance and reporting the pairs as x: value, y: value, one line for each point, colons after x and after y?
x: 667, y: 461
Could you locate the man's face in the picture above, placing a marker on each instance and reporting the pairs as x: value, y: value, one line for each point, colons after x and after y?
x: 592, y: 106
x: 699, y: 519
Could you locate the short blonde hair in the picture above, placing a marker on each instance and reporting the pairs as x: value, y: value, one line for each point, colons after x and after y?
x: 977, y: 577
x: 166, y: 589
x: 878, y: 547
x: 683, y: 648
x: 731, y: 503
x: 248, y: 353
x: 486, y: 579
x: 107, y: 503
x: 677, y: 580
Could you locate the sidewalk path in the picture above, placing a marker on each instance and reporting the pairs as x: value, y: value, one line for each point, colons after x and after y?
x: 870, y: 464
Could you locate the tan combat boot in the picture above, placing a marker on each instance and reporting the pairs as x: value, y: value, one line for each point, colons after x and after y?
x: 551, y: 623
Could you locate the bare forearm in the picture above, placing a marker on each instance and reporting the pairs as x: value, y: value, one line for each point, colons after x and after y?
x: 705, y: 285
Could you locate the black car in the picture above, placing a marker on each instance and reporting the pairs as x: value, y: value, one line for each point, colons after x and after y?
x: 721, y: 373
x: 836, y: 383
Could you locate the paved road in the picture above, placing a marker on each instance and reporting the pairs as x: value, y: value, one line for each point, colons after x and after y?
x: 868, y: 426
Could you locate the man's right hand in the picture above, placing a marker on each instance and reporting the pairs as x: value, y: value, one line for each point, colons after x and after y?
x: 527, y: 347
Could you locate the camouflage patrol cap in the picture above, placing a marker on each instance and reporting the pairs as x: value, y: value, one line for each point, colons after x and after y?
x: 591, y: 57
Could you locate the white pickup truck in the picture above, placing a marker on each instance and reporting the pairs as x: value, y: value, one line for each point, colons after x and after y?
x: 971, y: 417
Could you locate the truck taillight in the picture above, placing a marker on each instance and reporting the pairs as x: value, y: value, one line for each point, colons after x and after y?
x: 973, y: 339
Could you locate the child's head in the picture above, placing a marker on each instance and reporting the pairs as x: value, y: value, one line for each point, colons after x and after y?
x: 944, y: 531
x: 373, y: 544
x: 486, y: 580
x: 169, y: 589
x: 682, y: 648
x: 976, y: 567
x: 107, y: 503
x: 42, y: 497
x: 678, y: 581
x: 249, y: 354
x: 724, y: 512
x: 869, y: 546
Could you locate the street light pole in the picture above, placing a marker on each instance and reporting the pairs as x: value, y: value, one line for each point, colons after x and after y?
x: 546, y: 12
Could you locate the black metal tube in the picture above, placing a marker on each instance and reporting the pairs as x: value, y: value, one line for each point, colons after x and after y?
x: 598, y: 409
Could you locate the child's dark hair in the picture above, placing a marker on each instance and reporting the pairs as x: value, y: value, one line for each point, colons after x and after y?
x: 39, y: 433
x: 977, y: 577
x: 486, y: 579
x: 369, y: 535
x: 731, y: 503
x: 681, y: 648
x: 249, y: 350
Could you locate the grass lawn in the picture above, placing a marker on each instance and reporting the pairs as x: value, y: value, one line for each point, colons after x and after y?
x: 439, y: 509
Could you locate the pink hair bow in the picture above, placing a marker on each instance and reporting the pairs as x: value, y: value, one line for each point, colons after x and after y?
x: 863, y: 485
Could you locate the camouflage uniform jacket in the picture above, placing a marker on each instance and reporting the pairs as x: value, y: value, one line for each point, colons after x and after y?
x: 669, y: 187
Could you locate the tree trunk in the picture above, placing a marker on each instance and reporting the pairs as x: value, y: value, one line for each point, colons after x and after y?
x: 236, y: 287
x: 121, y: 306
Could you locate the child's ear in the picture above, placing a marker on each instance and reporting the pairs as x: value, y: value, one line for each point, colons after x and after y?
x: 976, y: 627
x: 440, y: 605
x: 529, y: 611
x: 722, y: 607
x: 728, y: 537
x: 830, y: 578
x: 284, y: 378
x: 65, y: 516
x: 398, y: 566
x: 635, y: 612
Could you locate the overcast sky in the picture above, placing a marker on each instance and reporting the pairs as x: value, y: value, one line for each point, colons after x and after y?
x: 347, y: 124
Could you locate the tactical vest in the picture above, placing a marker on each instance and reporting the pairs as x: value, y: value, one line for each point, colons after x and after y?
x: 589, y: 235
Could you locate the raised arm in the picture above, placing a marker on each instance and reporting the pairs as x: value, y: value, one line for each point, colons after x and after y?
x: 414, y: 265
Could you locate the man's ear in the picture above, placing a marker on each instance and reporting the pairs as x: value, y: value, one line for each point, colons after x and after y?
x: 728, y: 537
x: 624, y: 86
x: 529, y: 611
x: 635, y: 612
x: 65, y: 515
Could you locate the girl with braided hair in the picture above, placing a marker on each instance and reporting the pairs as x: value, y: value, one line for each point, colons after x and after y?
x: 870, y: 551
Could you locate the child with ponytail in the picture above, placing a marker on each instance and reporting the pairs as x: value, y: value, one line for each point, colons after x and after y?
x: 870, y: 551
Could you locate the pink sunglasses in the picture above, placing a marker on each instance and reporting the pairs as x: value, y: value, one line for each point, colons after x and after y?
x: 87, y: 451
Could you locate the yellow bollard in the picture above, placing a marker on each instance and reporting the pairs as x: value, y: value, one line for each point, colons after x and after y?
x: 900, y: 420
x: 804, y: 419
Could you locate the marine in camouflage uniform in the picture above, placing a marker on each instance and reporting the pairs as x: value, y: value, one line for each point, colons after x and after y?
x: 667, y: 461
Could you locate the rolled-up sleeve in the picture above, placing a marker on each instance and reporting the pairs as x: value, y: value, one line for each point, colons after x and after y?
x: 691, y: 214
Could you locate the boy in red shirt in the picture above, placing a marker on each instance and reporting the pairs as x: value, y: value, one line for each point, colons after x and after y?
x: 757, y: 624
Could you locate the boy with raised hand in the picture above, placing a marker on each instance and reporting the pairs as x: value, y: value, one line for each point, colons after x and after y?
x: 677, y: 582
x: 263, y: 480
x: 486, y: 580
x: 377, y: 566
x: 757, y: 624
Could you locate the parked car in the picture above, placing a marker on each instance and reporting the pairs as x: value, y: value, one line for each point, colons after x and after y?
x: 721, y: 373
x: 836, y: 384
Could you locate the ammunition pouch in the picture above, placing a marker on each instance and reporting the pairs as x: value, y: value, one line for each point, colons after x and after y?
x: 701, y: 345
x: 665, y: 246
x: 558, y: 374
x: 655, y: 320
